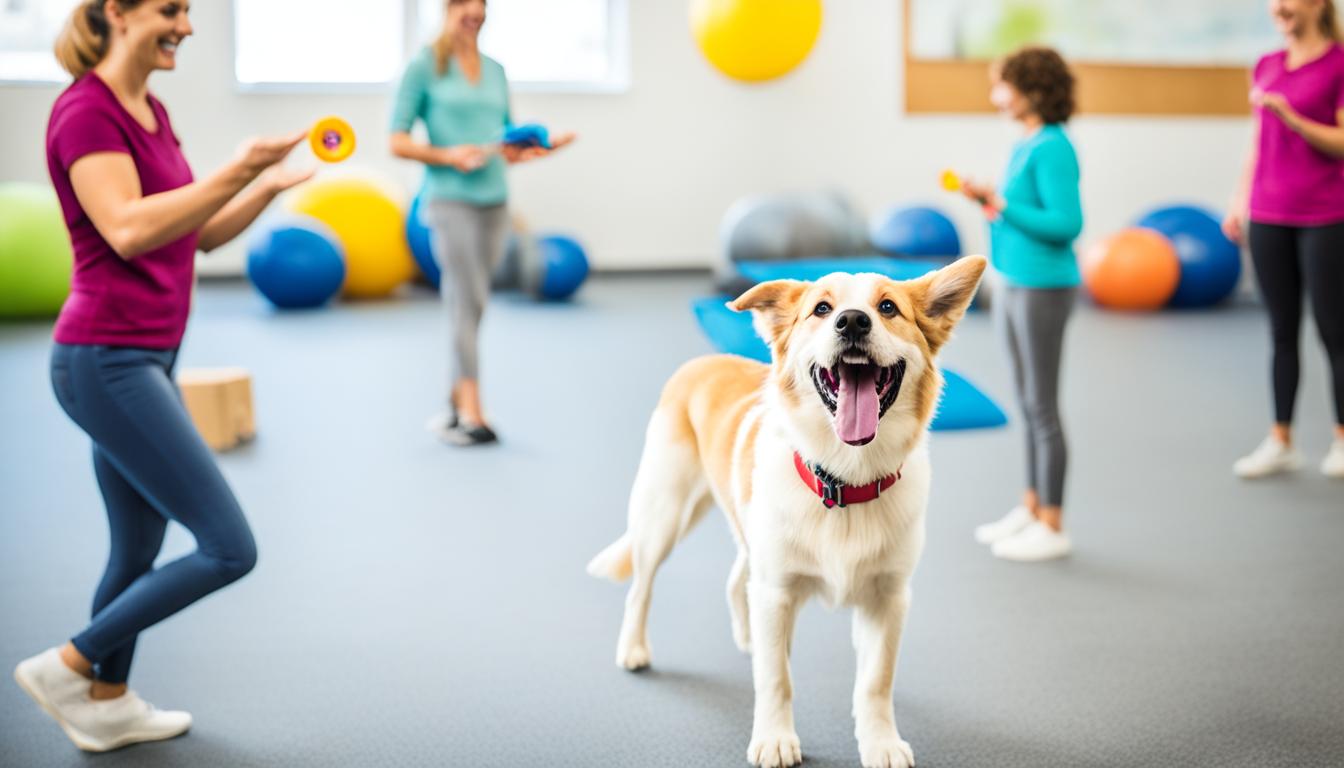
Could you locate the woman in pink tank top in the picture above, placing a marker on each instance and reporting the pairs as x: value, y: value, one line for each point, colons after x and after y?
x: 1290, y: 209
x: 137, y: 216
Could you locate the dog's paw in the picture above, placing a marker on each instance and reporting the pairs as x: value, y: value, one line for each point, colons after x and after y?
x: 886, y: 752
x: 775, y: 749
x: 632, y: 656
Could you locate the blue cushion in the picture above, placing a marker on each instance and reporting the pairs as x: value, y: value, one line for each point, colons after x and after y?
x: 963, y: 405
x: 815, y: 269
x: 527, y: 135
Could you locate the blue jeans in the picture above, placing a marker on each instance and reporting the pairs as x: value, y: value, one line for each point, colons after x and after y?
x: 152, y: 467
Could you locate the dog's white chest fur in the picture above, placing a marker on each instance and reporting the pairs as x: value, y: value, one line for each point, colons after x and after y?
x: 842, y: 552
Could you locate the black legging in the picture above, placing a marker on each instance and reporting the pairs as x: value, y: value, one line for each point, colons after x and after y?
x: 1284, y: 258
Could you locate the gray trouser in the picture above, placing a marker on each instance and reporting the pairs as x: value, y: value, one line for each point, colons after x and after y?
x: 469, y: 242
x: 1032, y: 322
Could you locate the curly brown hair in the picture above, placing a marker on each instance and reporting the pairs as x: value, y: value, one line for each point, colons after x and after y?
x: 1041, y: 75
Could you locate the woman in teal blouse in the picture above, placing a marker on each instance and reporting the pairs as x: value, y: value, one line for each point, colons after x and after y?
x: 462, y: 97
x: 1034, y: 220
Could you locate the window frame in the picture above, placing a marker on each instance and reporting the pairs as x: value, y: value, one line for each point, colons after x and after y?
x: 63, y: 79
x: 618, y: 51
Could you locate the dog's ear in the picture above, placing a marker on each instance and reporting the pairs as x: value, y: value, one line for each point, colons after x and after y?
x: 773, y: 306
x: 941, y: 298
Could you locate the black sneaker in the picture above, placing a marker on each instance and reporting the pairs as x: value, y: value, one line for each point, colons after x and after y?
x: 464, y: 433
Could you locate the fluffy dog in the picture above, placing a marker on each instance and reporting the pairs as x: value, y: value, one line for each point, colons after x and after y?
x: 820, y: 463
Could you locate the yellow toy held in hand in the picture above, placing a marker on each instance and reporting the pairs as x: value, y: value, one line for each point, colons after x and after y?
x: 332, y: 139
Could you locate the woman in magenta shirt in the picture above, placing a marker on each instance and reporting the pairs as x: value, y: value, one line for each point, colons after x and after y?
x: 1293, y: 195
x: 136, y: 217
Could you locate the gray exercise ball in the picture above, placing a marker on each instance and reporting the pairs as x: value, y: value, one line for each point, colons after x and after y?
x: 803, y: 225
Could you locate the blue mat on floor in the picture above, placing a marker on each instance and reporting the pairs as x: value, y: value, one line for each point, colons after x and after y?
x: 815, y: 269
x: 963, y: 405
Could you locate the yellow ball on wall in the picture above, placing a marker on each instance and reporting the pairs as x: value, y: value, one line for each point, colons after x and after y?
x: 370, y: 226
x: 755, y: 40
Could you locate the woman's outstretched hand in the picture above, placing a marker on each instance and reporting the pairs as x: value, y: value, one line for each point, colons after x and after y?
x: 279, y: 178
x: 258, y: 154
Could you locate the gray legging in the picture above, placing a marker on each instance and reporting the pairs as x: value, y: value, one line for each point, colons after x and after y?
x: 1032, y: 322
x: 469, y: 242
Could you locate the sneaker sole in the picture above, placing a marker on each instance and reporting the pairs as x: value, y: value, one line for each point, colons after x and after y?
x: 125, y: 740
x: 1282, y: 469
x: 1045, y: 559
x: 79, y: 738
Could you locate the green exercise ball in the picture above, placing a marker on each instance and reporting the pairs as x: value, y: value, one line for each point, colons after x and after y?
x: 35, y: 255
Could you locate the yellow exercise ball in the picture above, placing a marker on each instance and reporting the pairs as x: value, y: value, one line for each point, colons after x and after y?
x: 371, y: 228
x: 755, y: 40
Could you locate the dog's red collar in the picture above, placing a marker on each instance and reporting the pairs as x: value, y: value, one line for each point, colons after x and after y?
x: 835, y: 493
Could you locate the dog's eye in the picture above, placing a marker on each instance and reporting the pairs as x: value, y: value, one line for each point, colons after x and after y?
x: 887, y: 307
x: 823, y: 309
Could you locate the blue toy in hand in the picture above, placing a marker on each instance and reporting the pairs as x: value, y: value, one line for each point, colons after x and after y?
x: 527, y: 135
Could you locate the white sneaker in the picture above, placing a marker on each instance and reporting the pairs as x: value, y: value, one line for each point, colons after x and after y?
x: 1271, y: 457
x: 50, y: 682
x: 102, y: 726
x: 1017, y: 518
x: 94, y: 726
x: 1032, y: 544
x: 1333, y: 465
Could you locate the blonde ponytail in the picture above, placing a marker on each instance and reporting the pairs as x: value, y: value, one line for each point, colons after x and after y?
x: 84, y: 39
x: 443, y: 47
x: 1330, y: 22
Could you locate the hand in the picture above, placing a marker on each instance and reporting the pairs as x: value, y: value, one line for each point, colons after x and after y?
x: 464, y: 157
x: 258, y: 154
x: 279, y: 178
x: 1234, y: 227
x: 1276, y: 103
x: 976, y: 192
x: 516, y: 154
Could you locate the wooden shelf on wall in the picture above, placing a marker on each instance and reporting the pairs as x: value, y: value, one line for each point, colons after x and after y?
x: 962, y: 86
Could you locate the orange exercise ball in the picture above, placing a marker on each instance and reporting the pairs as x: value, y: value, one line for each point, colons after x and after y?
x: 1135, y: 268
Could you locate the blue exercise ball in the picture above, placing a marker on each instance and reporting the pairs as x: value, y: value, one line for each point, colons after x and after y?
x: 555, y: 269
x: 418, y: 238
x: 1210, y: 263
x: 915, y: 231
x: 296, y: 262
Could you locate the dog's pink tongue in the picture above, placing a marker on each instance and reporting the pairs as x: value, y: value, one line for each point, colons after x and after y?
x: 856, y: 407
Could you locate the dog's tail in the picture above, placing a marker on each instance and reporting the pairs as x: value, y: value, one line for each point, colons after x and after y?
x: 614, y: 562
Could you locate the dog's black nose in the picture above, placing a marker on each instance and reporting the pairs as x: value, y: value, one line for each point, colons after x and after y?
x: 853, y: 324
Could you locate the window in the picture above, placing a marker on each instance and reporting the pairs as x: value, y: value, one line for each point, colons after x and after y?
x: 317, y: 42
x: 573, y: 45
x: 27, y: 30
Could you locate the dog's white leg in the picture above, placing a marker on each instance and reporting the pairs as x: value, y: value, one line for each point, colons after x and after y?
x: 668, y: 497
x: 772, y: 610
x: 877, y: 638
x: 737, y: 602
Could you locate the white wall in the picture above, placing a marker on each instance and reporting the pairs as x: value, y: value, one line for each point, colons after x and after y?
x: 657, y: 166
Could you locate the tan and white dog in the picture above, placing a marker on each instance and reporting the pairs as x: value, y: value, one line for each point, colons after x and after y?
x: 820, y: 462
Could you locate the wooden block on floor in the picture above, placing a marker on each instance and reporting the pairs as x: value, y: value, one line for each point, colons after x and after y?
x: 220, y: 403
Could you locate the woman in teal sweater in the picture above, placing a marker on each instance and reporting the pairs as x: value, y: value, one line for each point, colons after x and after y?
x: 462, y: 97
x: 1034, y: 220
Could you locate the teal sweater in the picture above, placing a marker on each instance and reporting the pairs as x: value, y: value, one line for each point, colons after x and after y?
x: 1031, y: 242
x: 456, y: 111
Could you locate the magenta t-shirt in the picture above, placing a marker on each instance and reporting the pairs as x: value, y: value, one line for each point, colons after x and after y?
x: 1294, y: 183
x: 144, y: 301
